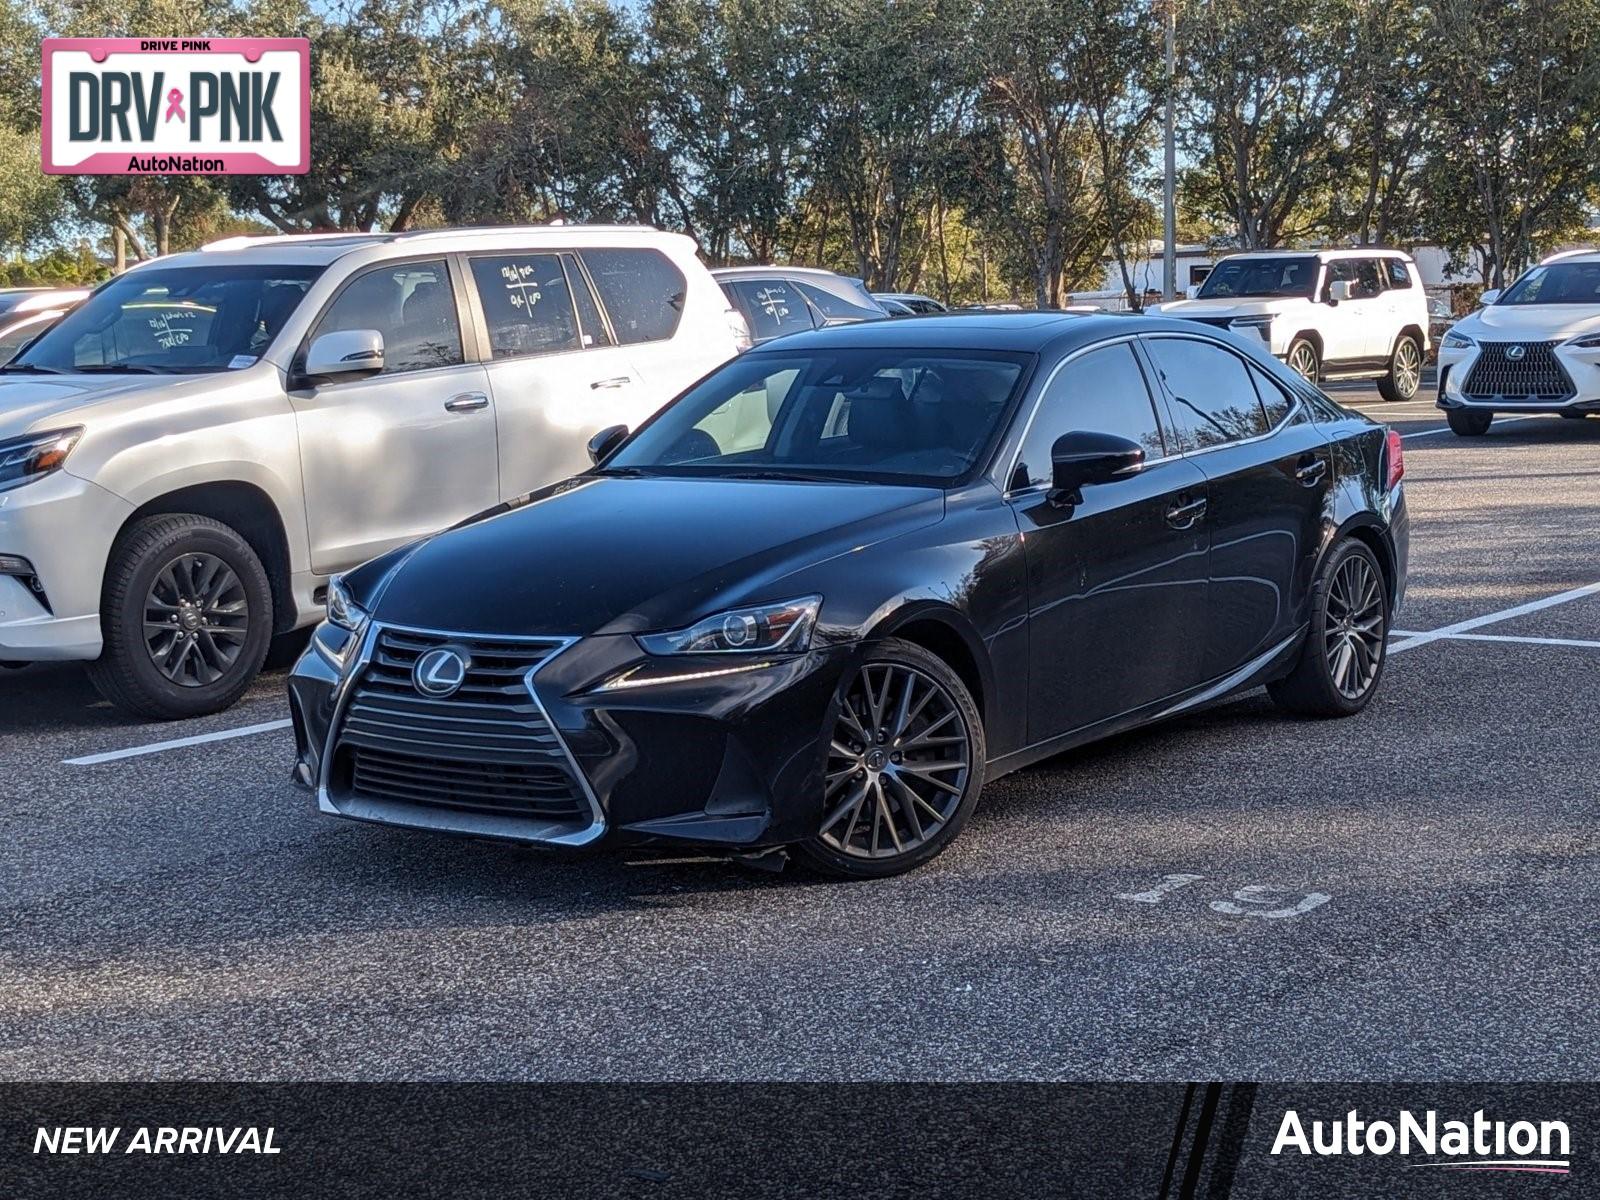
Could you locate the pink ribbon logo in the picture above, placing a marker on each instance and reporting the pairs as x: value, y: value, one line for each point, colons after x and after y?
x: 175, y: 105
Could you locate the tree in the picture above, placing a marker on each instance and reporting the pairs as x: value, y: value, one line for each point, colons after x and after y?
x: 1513, y: 161
x: 1269, y: 84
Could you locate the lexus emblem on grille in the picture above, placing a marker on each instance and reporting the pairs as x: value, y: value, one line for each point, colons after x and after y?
x: 1516, y: 353
x: 440, y: 672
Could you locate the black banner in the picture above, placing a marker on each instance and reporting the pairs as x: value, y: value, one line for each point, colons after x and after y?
x: 1161, y: 1141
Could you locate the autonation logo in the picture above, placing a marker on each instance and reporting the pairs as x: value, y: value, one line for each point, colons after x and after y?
x: 1476, y: 1145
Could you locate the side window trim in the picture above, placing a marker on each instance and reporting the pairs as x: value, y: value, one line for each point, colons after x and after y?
x: 1025, y: 426
x: 573, y: 259
x: 297, y: 379
x: 1251, y: 369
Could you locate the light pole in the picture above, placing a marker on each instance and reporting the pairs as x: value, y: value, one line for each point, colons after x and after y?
x: 1169, y: 206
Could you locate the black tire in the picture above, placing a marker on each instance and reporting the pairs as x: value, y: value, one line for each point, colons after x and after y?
x: 1302, y: 358
x: 1314, y: 687
x: 835, y: 850
x: 127, y: 674
x: 1405, y: 370
x: 1469, y: 422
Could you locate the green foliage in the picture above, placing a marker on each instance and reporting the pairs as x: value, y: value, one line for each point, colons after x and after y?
x: 977, y: 149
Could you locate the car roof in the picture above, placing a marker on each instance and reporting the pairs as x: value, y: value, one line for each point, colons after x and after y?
x: 1324, y: 255
x: 1583, y: 255
x: 774, y: 269
x: 1018, y: 332
x: 321, y: 249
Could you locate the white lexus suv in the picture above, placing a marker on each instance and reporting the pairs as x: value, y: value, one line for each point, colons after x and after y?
x: 1533, y: 348
x: 189, y: 456
x: 1329, y: 314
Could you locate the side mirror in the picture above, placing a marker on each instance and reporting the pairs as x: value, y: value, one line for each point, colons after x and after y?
x: 1191, y: 291
x: 1489, y: 297
x: 1081, y: 458
x: 1338, y: 290
x: 603, y: 443
x: 343, y: 355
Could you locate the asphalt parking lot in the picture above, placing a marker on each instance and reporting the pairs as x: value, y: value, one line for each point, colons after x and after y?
x: 1411, y: 894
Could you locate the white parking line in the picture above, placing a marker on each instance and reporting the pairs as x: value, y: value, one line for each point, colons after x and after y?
x: 1460, y: 627
x: 222, y: 735
x: 1523, y: 641
x: 1446, y: 428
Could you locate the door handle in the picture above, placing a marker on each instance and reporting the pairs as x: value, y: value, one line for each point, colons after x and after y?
x: 614, y: 382
x: 466, y: 402
x: 1311, y: 470
x: 1186, y: 513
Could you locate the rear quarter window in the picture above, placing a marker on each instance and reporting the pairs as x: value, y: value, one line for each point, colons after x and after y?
x: 642, y: 291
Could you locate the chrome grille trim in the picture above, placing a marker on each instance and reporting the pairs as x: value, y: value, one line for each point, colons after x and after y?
x: 519, y: 696
x: 1538, y: 377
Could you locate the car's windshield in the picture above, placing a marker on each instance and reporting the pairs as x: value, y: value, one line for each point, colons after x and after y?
x: 1240, y: 277
x: 1556, y: 283
x: 175, y: 320
x: 897, y: 415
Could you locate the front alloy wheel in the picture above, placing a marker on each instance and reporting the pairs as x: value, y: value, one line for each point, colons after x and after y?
x: 1302, y: 359
x: 904, y: 765
x: 196, y: 620
x: 1405, y: 371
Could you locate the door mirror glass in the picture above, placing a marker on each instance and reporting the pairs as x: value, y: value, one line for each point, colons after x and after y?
x: 345, y: 354
x: 1338, y: 290
x: 1082, y: 457
x: 1490, y: 296
x: 603, y: 443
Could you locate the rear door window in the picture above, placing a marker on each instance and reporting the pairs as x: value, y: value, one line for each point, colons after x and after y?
x: 527, y: 305
x: 772, y: 307
x: 1398, y: 277
x: 642, y: 291
x: 1214, y: 401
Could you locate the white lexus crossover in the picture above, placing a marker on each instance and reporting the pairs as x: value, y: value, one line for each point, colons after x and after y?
x: 189, y: 456
x: 1328, y: 314
x: 1533, y: 348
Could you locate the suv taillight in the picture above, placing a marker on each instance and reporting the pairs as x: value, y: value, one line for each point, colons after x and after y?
x: 1395, y: 456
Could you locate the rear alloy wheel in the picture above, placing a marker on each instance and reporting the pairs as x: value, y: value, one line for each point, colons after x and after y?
x: 1302, y: 360
x: 1405, y: 370
x: 1469, y: 422
x: 1342, y: 659
x: 904, y: 766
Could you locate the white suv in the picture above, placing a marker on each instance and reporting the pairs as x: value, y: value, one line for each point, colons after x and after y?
x: 190, y: 455
x: 1329, y: 314
x: 1533, y: 348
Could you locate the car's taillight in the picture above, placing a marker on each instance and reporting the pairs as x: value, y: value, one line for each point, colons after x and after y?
x: 1395, y: 456
x: 740, y: 328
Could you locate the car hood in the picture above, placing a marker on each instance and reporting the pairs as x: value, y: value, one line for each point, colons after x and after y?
x: 1227, y: 307
x: 29, y: 402
x: 1531, y: 322
x: 626, y: 555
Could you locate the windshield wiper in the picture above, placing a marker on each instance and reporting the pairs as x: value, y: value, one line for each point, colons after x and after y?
x: 120, y: 368
x: 797, y: 476
x: 622, y: 472
x: 28, y: 369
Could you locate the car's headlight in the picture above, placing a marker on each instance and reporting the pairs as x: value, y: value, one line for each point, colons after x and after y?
x: 1256, y: 322
x: 25, y: 459
x: 761, y: 629
x: 1457, y: 341
x: 1584, y: 341
x: 343, y: 612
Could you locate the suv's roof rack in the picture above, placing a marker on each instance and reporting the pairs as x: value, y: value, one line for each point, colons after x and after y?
x: 241, y: 241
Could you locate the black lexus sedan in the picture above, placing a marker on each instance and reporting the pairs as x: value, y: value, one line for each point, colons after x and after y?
x: 823, y: 597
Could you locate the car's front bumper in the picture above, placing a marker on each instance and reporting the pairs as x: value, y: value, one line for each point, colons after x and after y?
x: 1575, y: 389
x: 64, y: 528
x: 711, y: 752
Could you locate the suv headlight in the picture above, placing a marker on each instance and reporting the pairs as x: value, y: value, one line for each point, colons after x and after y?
x: 25, y: 459
x: 343, y: 612
x: 1457, y: 341
x: 1584, y: 341
x: 761, y: 629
